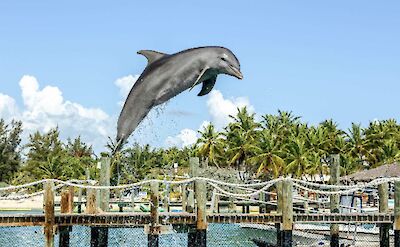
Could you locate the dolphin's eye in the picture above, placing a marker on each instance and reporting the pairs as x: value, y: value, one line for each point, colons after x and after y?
x: 223, y: 59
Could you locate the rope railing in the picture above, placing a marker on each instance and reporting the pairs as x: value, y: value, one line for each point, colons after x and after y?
x: 322, y: 189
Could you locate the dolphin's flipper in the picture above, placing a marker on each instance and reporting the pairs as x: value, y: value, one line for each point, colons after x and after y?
x: 151, y: 55
x: 207, y: 86
x: 199, y: 77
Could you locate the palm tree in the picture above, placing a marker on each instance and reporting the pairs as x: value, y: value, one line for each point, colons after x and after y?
x: 266, y: 156
x: 241, y: 136
x: 359, y: 145
x: 210, y: 144
x: 297, y: 158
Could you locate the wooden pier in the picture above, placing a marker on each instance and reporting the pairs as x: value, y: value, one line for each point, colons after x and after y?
x: 196, y: 214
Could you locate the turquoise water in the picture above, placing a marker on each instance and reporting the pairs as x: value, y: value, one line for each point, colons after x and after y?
x: 217, y: 235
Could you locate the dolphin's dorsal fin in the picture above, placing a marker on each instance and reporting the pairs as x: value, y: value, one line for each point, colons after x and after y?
x: 151, y: 55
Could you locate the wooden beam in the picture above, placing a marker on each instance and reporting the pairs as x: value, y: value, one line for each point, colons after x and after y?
x: 383, y: 191
x: 396, y: 225
x: 65, y: 208
x: 201, y: 224
x: 334, y: 198
x: 91, y: 205
x: 140, y: 219
x: 49, y: 214
x: 153, y: 236
x: 287, y: 213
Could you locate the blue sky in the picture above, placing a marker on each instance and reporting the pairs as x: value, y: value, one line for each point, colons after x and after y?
x: 319, y: 59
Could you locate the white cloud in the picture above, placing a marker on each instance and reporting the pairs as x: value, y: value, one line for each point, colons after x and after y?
x: 125, y: 85
x: 186, y: 137
x: 46, y: 108
x: 220, y: 108
x: 8, y: 107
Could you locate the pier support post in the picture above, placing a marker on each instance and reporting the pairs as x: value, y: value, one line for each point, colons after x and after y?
x: 194, y: 164
x: 79, y: 200
x: 279, y: 196
x: 184, y: 197
x: 287, y: 215
x: 396, y: 224
x: 334, y: 198
x: 133, y: 200
x: 99, y: 235
x: 383, y: 191
x: 49, y: 213
x: 201, y: 224
x: 91, y: 201
x: 66, y: 207
x: 105, y: 176
x: 153, y: 237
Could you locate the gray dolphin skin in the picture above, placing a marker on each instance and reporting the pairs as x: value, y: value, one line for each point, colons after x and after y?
x: 165, y: 76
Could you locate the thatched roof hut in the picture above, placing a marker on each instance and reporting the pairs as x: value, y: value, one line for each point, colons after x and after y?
x: 384, y: 171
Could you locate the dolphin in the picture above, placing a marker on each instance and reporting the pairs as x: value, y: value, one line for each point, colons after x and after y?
x: 166, y: 76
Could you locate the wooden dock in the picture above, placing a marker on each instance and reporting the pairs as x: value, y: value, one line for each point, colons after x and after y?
x: 197, y: 213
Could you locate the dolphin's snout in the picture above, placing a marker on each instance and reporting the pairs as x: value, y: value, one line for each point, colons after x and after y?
x: 236, y: 73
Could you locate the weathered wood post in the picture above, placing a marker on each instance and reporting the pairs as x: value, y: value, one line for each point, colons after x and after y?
x: 201, y: 224
x: 287, y: 213
x: 99, y: 235
x: 166, y: 200
x: 184, y: 197
x: 194, y: 164
x: 133, y: 199
x: 383, y: 191
x: 153, y: 237
x: 71, y: 193
x: 79, y: 200
x: 334, y: 198
x: 214, y: 201
x: 105, y: 176
x: 91, y: 205
x: 66, y: 207
x: 279, y: 204
x: 49, y: 213
x: 396, y: 225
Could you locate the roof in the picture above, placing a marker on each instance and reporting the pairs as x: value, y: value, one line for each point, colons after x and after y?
x: 384, y: 171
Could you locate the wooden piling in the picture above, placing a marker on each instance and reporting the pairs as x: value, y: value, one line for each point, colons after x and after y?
x: 133, y: 200
x: 49, y: 213
x: 71, y: 193
x: 99, y: 235
x: 396, y: 224
x: 279, y: 205
x: 184, y: 197
x: 194, y: 164
x: 79, y: 200
x: 166, y: 201
x: 64, y: 208
x: 287, y: 213
x: 201, y: 224
x: 105, y: 175
x: 383, y: 191
x: 214, y: 201
x: 153, y: 237
x: 91, y: 205
x: 334, y: 198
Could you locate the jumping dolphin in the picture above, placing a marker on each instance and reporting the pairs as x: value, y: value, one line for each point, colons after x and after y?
x: 166, y: 76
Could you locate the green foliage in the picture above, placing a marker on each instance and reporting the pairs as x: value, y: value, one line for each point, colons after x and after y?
x: 10, y: 156
x: 48, y: 157
x: 276, y: 145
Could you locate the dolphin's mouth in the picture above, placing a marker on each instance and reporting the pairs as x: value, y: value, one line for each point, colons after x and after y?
x: 236, y: 73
